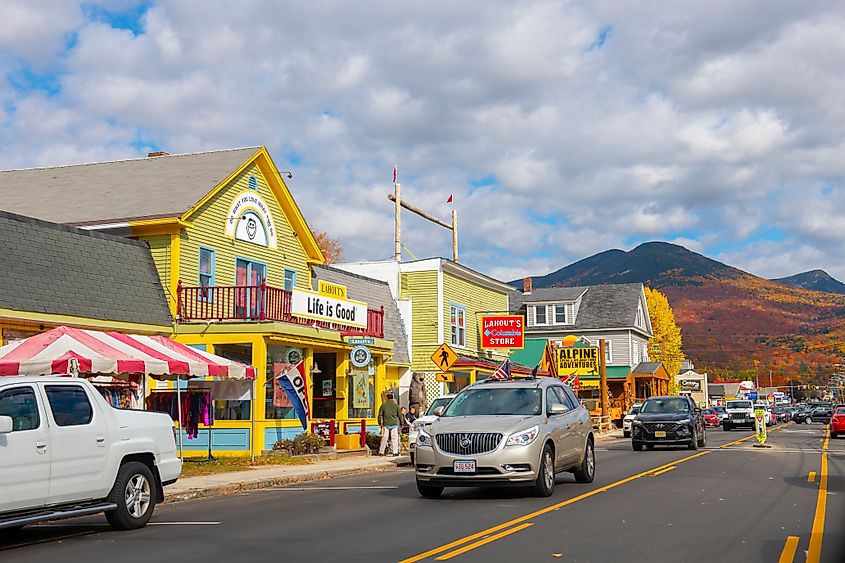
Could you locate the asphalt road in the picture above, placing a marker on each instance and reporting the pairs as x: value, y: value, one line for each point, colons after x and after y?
x: 728, y: 502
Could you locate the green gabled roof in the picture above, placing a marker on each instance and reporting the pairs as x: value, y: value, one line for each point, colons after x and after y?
x: 613, y: 372
x: 531, y: 354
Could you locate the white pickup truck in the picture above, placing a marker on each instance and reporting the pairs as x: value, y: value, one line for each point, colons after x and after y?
x: 65, y: 452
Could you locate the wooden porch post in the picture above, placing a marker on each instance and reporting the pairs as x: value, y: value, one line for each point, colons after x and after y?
x: 603, y: 379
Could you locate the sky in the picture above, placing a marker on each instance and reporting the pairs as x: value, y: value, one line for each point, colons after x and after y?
x: 561, y: 129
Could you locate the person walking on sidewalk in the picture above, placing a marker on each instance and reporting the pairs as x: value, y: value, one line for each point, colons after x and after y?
x: 388, y: 420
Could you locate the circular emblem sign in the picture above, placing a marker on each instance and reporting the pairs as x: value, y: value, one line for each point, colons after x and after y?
x: 360, y: 356
x: 294, y: 356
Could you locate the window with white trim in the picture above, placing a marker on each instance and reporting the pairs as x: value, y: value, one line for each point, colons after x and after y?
x: 645, y: 353
x: 457, y: 325
x: 290, y: 279
x: 636, y: 350
x: 640, y: 321
x: 540, y: 315
x: 560, y: 314
x: 608, y: 351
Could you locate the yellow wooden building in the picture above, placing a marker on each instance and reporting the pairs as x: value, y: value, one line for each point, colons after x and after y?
x: 243, y: 277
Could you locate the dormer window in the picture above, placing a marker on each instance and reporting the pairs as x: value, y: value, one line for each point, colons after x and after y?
x: 560, y: 314
x: 540, y: 315
x: 550, y: 314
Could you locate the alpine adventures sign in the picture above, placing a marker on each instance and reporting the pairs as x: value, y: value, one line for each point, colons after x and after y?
x: 577, y: 360
x: 503, y: 331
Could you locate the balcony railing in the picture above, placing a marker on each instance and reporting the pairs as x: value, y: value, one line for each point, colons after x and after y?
x: 257, y: 303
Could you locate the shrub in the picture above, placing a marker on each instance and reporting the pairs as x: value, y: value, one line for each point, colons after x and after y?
x: 304, y: 443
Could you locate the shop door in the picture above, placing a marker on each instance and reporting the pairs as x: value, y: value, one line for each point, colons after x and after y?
x: 249, y: 276
x: 325, y: 386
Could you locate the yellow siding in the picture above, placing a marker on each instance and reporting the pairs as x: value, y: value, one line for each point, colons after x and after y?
x: 208, y: 230
x: 160, y: 249
x: 477, y: 299
x: 421, y: 288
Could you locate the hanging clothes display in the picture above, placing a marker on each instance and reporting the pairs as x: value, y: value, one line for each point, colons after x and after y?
x: 120, y: 396
x: 196, y: 409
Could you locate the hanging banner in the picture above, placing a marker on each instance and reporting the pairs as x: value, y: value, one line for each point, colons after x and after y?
x: 292, y: 381
x: 360, y: 390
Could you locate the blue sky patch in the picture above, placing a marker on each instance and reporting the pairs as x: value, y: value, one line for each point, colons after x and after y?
x: 601, y: 38
x: 26, y: 80
x: 131, y: 18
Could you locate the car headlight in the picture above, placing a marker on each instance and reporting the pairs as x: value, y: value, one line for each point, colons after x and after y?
x: 424, y: 439
x: 636, y: 422
x: 523, y: 438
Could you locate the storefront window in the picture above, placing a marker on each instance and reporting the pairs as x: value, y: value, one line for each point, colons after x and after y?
x: 277, y: 405
x: 361, y: 394
x: 232, y: 409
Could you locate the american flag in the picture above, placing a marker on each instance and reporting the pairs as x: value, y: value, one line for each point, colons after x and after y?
x: 504, y: 371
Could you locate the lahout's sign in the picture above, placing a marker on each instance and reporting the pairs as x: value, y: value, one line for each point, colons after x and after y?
x: 321, y: 307
x: 249, y: 220
x: 503, y: 332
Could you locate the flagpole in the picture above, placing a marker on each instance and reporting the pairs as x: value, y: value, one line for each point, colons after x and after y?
x: 455, y: 235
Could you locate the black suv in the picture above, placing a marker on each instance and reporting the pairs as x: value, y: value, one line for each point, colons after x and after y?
x: 668, y: 421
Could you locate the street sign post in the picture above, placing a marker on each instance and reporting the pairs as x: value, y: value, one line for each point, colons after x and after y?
x: 444, y: 357
x: 760, y: 426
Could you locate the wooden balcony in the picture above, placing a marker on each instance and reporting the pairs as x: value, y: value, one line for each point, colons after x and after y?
x: 257, y: 303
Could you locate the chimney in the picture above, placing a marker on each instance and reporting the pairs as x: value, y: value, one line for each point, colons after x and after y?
x: 526, y: 285
x: 157, y: 153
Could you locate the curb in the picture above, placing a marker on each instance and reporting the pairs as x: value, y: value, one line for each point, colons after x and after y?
x: 244, y: 486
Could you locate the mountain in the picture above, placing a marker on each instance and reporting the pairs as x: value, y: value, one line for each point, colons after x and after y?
x: 818, y: 280
x: 729, y: 318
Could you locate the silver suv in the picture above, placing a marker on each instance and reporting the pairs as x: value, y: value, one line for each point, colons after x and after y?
x: 506, y: 432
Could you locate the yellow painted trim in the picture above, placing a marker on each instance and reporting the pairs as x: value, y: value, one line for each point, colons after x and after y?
x: 175, y: 257
x: 162, y: 221
x: 265, y: 164
x: 81, y: 322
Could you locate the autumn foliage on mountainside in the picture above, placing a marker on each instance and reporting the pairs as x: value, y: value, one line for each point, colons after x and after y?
x: 330, y: 247
x: 729, y: 318
x: 665, y: 345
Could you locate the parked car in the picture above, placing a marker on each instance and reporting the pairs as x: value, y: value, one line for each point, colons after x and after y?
x: 837, y: 422
x: 628, y: 418
x: 65, y: 452
x: 671, y: 420
x: 801, y: 414
x: 710, y: 417
x: 432, y: 414
x: 819, y: 414
x: 506, y: 432
x: 721, y: 412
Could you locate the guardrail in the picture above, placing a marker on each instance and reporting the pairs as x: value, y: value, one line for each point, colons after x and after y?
x: 602, y: 423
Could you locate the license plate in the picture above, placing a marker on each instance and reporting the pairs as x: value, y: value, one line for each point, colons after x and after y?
x: 660, y: 434
x: 464, y: 466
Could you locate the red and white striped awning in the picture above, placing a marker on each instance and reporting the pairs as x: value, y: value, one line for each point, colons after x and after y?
x: 65, y: 350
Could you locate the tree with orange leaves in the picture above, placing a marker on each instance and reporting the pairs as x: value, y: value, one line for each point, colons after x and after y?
x: 330, y: 247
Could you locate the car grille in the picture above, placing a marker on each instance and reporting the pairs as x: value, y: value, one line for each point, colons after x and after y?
x: 469, y: 443
x: 478, y: 471
x: 667, y: 427
x: 739, y: 416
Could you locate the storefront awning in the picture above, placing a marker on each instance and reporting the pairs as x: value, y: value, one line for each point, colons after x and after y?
x: 66, y: 350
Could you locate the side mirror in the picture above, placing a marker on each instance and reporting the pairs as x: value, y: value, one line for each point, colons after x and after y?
x: 557, y: 409
x: 697, y: 411
x: 438, y: 411
x: 6, y: 425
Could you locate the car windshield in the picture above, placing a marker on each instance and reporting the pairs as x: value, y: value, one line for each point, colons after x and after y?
x: 501, y: 401
x: 708, y: 411
x: 719, y: 409
x: 634, y: 410
x: 668, y: 405
x: 840, y: 410
x: 441, y: 402
x: 739, y: 404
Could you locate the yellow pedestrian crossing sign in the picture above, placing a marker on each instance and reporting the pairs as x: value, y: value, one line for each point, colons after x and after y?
x: 444, y: 357
x: 760, y: 425
x: 444, y: 377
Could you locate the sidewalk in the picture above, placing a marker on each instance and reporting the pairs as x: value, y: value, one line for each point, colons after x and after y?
x: 276, y: 476
x: 280, y: 475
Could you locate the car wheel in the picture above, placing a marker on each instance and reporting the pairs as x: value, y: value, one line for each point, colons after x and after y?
x: 638, y: 446
x: 808, y: 420
x: 428, y: 491
x: 135, y: 496
x: 693, y: 443
x: 703, y: 442
x: 544, y: 486
x: 586, y: 472
x: 834, y: 435
x: 728, y: 427
x: 10, y: 531
x: 626, y: 434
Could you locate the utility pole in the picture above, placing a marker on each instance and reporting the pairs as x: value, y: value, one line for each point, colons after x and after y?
x: 397, y: 198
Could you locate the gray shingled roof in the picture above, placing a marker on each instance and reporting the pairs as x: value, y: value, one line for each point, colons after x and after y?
x: 646, y: 367
x: 375, y: 293
x: 162, y: 186
x: 602, y: 306
x: 49, y: 268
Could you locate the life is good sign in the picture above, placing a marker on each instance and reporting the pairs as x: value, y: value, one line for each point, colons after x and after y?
x: 312, y: 305
x: 503, y: 332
